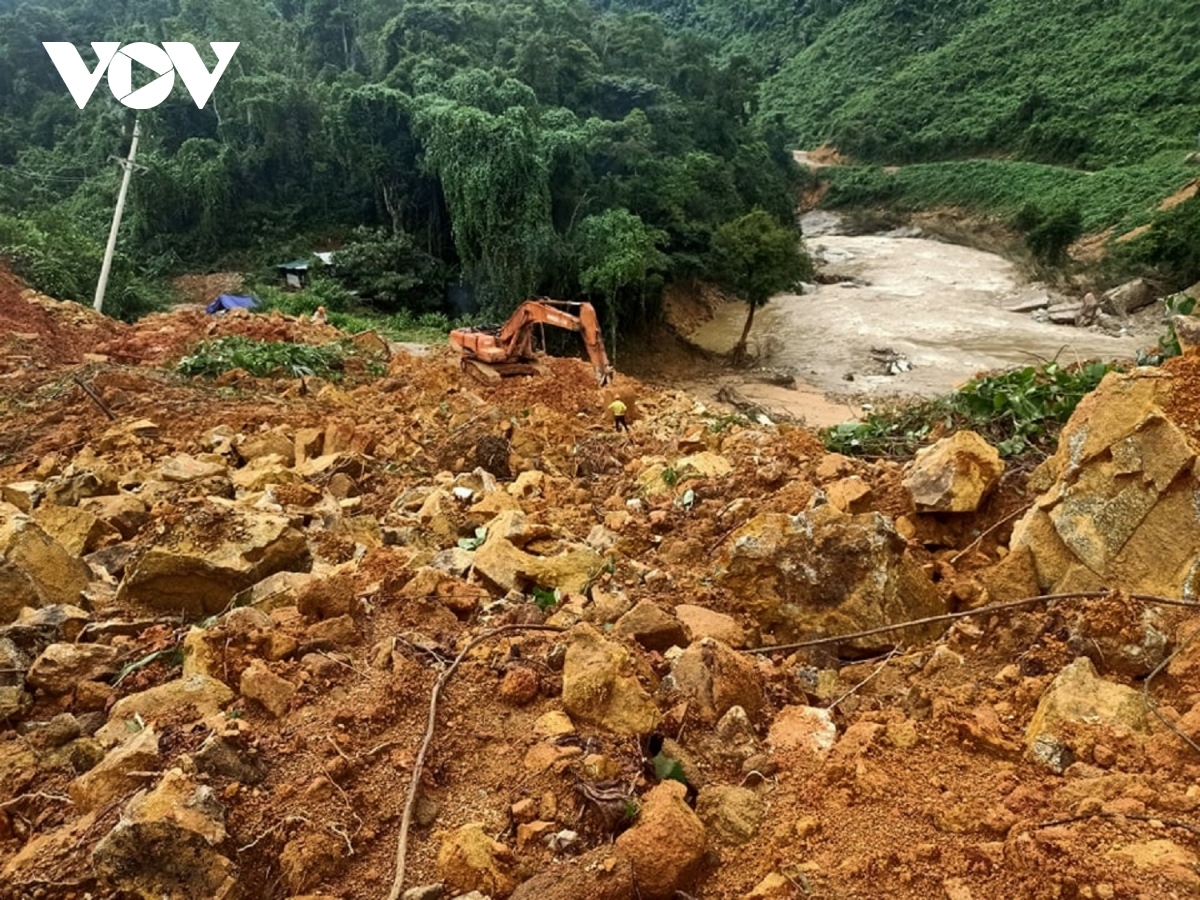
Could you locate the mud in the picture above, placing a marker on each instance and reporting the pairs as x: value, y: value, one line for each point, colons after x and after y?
x: 943, y: 307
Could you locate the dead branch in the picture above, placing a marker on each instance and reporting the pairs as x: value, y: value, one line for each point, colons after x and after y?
x: 95, y: 398
x: 1152, y: 705
x: 1169, y: 823
x: 411, y: 803
x: 979, y: 540
x: 968, y: 613
x: 289, y: 820
x: 39, y: 795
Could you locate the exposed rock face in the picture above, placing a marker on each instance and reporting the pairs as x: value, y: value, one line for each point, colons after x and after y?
x: 198, y: 693
x: 261, y: 684
x: 823, y: 572
x: 699, y: 622
x: 599, y: 685
x: 162, y: 846
x: 199, y: 577
x: 954, y: 475
x: 76, y: 529
x: 115, y: 775
x: 733, y: 814
x: 651, y: 627
x: 666, y: 845
x: 703, y: 465
x: 503, y: 564
x: 1119, y: 504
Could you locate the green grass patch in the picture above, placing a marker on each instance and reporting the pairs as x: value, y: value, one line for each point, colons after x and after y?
x: 343, y: 313
x: 1020, y: 412
x: 264, y: 359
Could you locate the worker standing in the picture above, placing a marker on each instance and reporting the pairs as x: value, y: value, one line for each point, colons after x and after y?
x: 618, y: 410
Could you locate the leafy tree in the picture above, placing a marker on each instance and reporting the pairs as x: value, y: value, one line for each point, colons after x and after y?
x: 756, y: 257
x: 617, y: 251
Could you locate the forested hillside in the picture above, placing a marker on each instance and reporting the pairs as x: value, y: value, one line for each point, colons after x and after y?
x: 1002, y: 107
x: 1080, y: 82
x: 518, y: 147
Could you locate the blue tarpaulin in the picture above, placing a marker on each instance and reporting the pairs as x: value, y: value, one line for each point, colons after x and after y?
x: 226, y: 302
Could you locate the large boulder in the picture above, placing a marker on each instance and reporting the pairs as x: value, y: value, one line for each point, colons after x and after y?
x: 600, y: 686
x: 954, y: 475
x: 502, y: 562
x: 666, y: 845
x: 1119, y: 498
x: 198, y: 572
x: 826, y: 573
x: 470, y: 859
x: 35, y: 570
x: 1075, y: 710
x: 162, y: 846
x: 1128, y: 297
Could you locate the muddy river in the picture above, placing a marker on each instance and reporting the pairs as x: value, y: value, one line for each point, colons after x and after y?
x: 943, y: 308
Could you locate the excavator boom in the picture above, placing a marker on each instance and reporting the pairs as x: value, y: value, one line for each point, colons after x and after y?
x: 512, y: 345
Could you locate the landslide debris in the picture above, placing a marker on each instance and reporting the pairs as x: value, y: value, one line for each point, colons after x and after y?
x: 225, y: 608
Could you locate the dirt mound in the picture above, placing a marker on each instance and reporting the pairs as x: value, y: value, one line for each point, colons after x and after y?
x: 37, y: 332
x: 272, y: 745
x: 164, y: 337
x: 204, y: 289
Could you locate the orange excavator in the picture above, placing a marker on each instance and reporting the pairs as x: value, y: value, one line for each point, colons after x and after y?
x: 509, y: 350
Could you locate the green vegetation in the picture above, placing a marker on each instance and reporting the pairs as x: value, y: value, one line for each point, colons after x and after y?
x: 345, y: 311
x: 264, y: 359
x: 502, y: 149
x: 755, y: 258
x: 1021, y: 412
x: 1118, y: 197
x: 1083, y: 107
x: 1168, y: 344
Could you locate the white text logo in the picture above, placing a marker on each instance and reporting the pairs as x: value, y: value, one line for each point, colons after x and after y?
x: 164, y: 61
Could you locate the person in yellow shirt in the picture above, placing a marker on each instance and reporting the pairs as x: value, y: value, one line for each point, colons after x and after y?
x: 618, y: 410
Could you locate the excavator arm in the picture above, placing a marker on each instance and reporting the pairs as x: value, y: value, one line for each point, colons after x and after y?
x: 514, y: 342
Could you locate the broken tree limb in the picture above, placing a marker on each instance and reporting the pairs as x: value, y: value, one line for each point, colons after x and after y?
x: 410, y: 803
x: 91, y: 392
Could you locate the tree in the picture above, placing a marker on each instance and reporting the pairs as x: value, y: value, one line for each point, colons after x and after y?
x: 756, y: 257
x: 617, y: 251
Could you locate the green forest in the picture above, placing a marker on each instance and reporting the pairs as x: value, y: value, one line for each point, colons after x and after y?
x: 575, y: 149
x: 515, y: 149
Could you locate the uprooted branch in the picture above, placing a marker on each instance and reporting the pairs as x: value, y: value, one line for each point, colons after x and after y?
x: 418, y: 766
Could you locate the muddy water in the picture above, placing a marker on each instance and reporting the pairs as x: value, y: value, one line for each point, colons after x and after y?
x: 942, y: 306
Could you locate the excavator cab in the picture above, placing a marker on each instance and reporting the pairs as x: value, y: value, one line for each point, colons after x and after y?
x: 509, y: 350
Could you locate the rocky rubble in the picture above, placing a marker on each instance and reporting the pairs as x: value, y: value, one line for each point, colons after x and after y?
x: 225, y: 612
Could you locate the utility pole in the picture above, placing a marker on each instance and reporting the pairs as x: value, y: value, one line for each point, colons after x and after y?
x: 128, y: 166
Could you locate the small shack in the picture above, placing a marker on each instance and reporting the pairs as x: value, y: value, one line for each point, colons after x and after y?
x: 295, y: 273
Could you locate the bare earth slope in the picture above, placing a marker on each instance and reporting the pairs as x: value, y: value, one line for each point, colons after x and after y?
x: 224, y: 611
